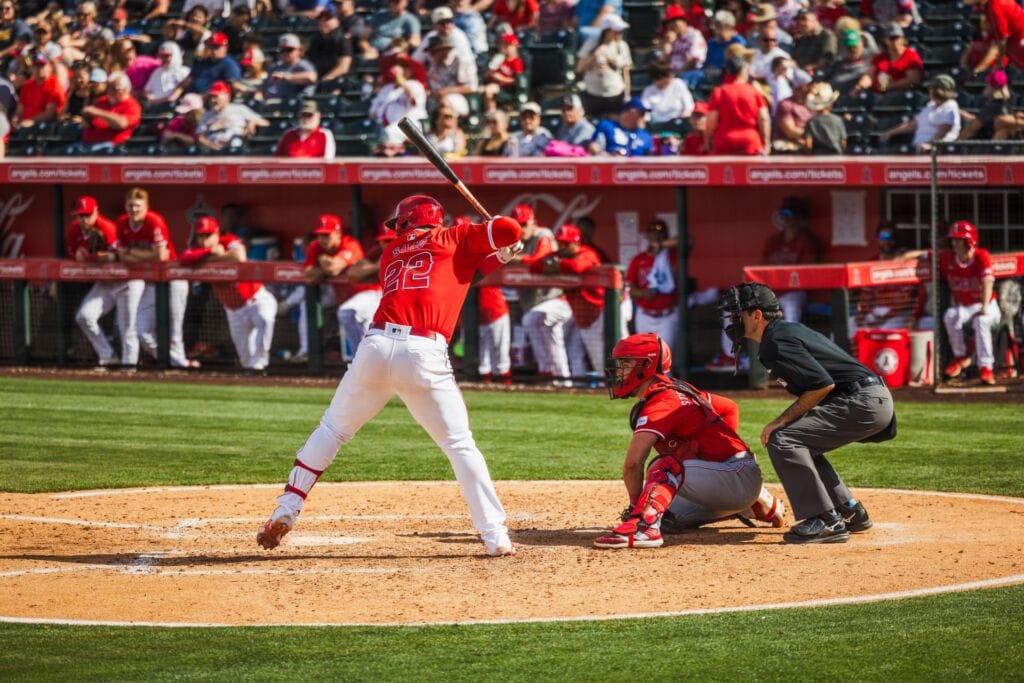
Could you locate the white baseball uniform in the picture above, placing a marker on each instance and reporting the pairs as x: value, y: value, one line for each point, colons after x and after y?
x: 82, y: 245
x: 355, y: 316
x: 425, y: 274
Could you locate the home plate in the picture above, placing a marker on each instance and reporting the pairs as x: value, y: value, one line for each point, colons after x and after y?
x: 305, y: 539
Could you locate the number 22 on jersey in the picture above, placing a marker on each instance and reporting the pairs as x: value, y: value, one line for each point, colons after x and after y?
x: 410, y: 272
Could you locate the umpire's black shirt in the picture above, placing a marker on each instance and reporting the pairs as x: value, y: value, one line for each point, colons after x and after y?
x: 804, y: 360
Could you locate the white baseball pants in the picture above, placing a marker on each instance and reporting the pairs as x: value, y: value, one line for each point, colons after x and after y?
x: 956, y: 317
x: 495, y: 343
x: 545, y: 328
x: 128, y: 301
x: 327, y: 299
x: 100, y: 300
x: 252, y: 329
x: 355, y: 316
x: 387, y: 363
x: 665, y: 326
x: 146, y: 321
x: 584, y: 344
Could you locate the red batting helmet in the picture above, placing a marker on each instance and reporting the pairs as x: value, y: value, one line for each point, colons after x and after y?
x: 634, y: 360
x: 964, y: 230
x: 416, y: 211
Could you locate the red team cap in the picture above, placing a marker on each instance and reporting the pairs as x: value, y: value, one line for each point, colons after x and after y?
x: 701, y: 109
x: 207, y: 225
x: 385, y: 234
x: 523, y: 213
x: 509, y: 39
x: 326, y: 224
x: 219, y: 88
x: 568, y: 233
x: 459, y: 221
x: 964, y: 230
x: 85, y: 205
x: 217, y: 39
x: 673, y: 12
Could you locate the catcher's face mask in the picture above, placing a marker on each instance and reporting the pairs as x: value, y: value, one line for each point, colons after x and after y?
x: 634, y: 360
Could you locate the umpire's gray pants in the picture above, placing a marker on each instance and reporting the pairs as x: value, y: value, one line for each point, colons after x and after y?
x: 798, y: 449
x: 713, y: 490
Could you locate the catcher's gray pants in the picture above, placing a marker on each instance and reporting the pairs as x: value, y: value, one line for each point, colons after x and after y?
x: 713, y: 490
x: 798, y: 449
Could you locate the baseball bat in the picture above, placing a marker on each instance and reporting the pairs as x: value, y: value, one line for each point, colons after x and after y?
x: 416, y: 137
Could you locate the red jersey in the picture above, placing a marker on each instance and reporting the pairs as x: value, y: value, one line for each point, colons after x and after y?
x: 233, y: 295
x: 318, y: 145
x: 687, y: 429
x: 586, y: 302
x: 349, y: 251
x: 510, y: 68
x: 77, y: 239
x: 34, y: 96
x: 426, y: 273
x: 151, y: 234
x: 1005, y: 19
x: 525, y: 13
x: 965, y: 279
x: 801, y: 249
x: 100, y: 130
x: 897, y: 68
x: 737, y: 105
x: 636, y: 275
x: 490, y: 300
x: 693, y: 145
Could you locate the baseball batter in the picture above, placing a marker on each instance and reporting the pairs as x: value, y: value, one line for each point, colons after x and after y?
x: 250, y: 308
x: 142, y: 236
x: 426, y: 272
x: 703, y: 471
x: 356, y: 313
x: 93, y: 238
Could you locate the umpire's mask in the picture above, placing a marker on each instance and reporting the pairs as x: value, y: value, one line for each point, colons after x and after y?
x: 747, y: 296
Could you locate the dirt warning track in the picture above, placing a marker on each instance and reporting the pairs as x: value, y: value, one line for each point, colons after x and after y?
x: 404, y: 553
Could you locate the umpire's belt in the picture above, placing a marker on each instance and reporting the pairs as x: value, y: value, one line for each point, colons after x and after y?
x: 851, y: 388
x: 397, y: 331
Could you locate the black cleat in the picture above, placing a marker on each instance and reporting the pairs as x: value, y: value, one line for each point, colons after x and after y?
x: 856, y: 518
x: 824, y: 529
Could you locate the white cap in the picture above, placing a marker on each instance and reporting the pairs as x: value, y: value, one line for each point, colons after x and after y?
x: 800, y: 77
x: 442, y: 13
x: 613, y: 22
x: 289, y: 40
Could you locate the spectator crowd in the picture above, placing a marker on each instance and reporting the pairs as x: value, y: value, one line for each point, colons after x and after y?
x: 315, y: 78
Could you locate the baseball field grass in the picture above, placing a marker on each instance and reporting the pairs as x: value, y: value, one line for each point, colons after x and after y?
x: 60, y: 435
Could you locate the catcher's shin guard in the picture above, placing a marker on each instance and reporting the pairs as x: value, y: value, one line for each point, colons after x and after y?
x: 664, y: 477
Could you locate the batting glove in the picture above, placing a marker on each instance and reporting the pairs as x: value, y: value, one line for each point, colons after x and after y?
x: 506, y: 254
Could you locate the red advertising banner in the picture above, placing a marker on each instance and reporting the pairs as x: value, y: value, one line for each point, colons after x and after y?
x: 867, y: 273
x: 650, y: 171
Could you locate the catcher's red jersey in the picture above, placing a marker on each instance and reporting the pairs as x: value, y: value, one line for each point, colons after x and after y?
x: 77, y: 238
x: 151, y: 234
x: 965, y: 279
x: 681, y: 425
x: 425, y: 274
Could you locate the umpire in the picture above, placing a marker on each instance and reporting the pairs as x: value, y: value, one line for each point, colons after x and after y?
x: 839, y: 401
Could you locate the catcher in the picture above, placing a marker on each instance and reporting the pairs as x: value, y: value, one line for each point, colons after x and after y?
x: 703, y: 471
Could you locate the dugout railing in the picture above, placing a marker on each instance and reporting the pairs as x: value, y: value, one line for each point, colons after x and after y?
x: 840, y: 279
x: 20, y: 334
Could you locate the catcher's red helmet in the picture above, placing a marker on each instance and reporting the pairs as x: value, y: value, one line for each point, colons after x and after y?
x: 418, y: 210
x: 634, y: 360
x: 964, y: 230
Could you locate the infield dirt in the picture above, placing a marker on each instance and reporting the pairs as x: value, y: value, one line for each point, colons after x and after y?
x: 404, y: 552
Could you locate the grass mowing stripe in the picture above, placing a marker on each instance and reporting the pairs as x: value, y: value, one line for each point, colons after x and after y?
x: 974, y: 636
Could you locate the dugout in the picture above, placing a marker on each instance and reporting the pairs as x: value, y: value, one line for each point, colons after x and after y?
x: 724, y: 204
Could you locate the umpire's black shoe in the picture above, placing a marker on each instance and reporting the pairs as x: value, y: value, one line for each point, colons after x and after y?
x: 856, y: 518
x: 824, y: 529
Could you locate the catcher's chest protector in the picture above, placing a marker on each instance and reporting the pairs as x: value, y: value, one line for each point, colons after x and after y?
x: 685, y: 449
